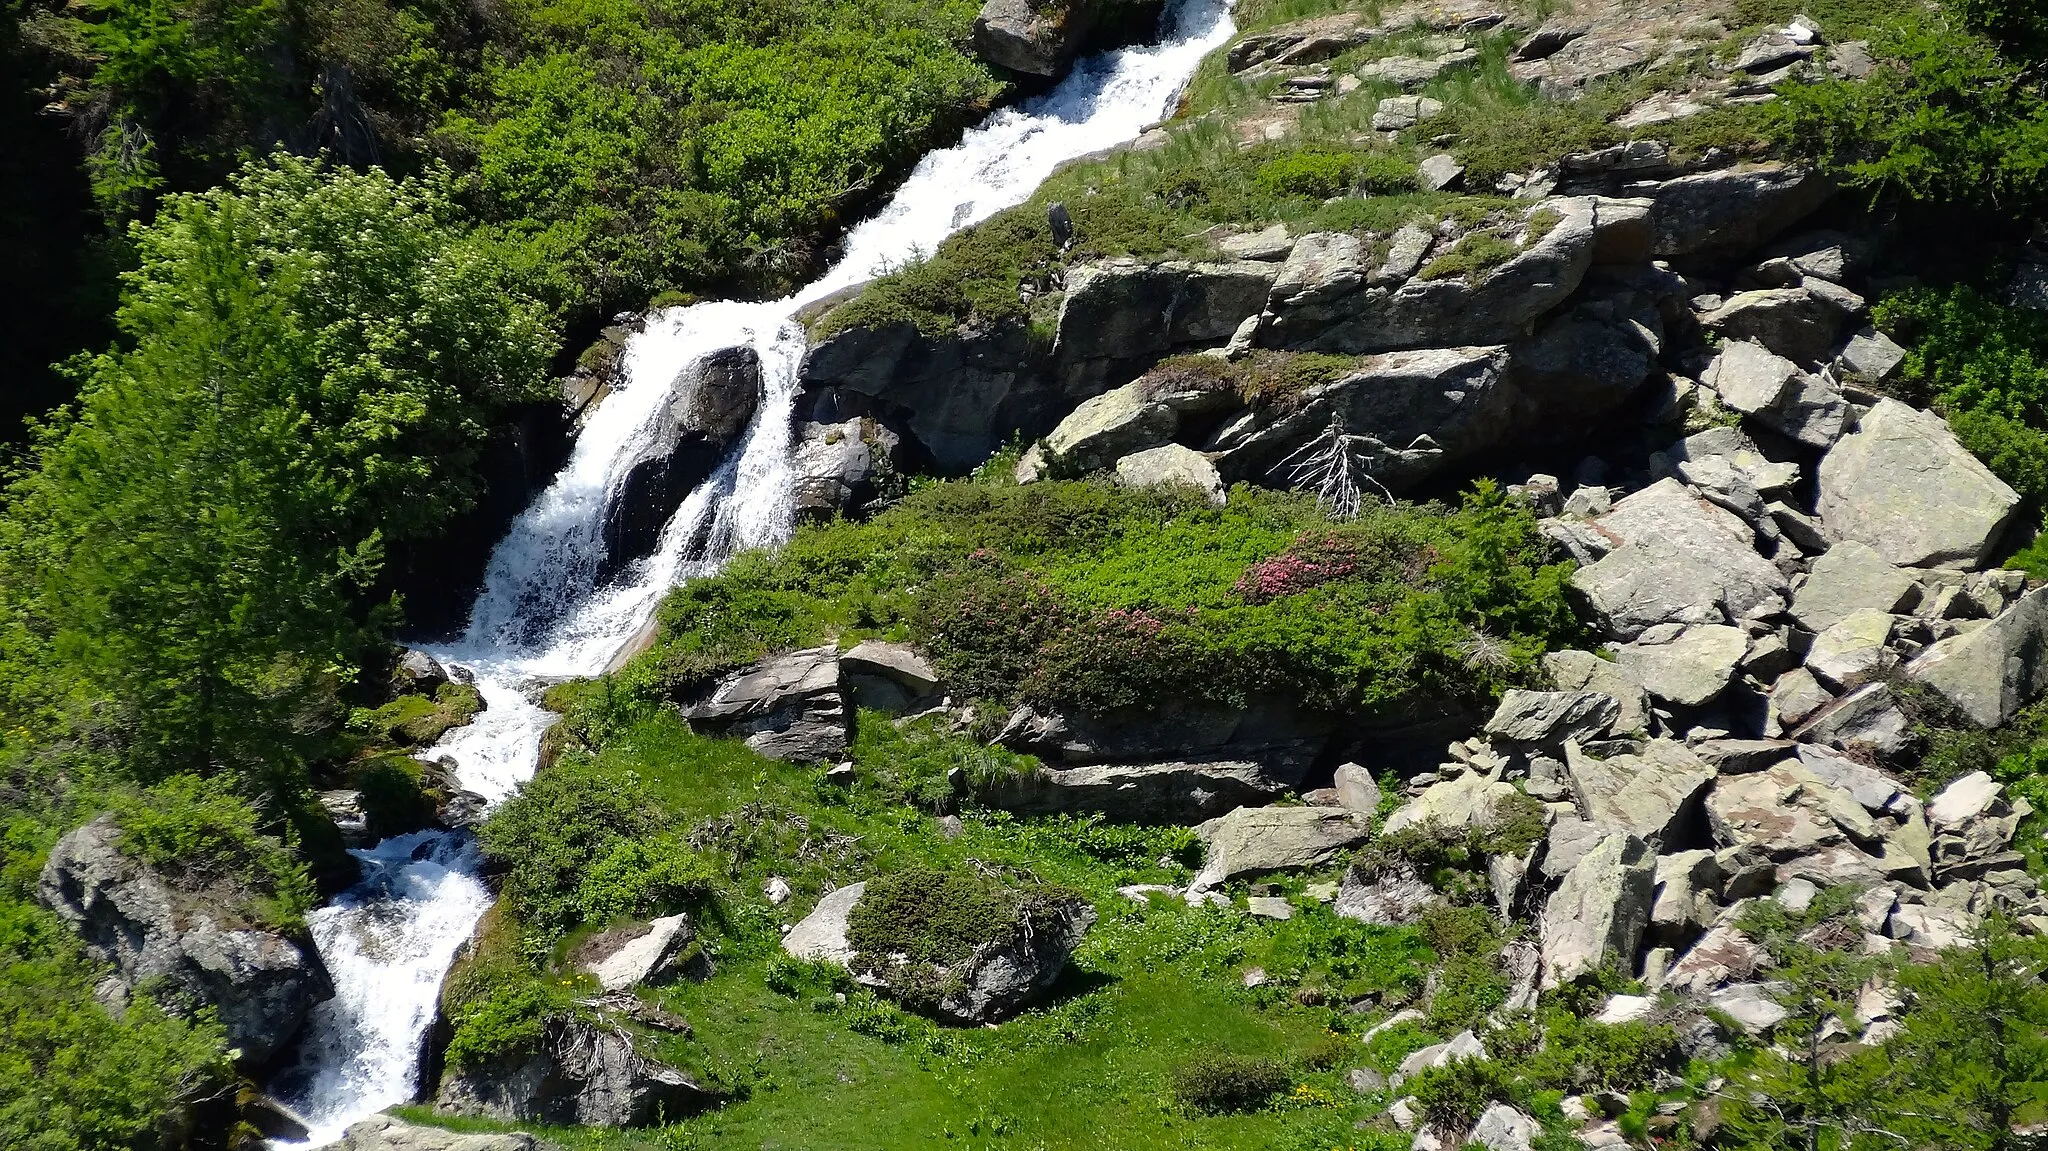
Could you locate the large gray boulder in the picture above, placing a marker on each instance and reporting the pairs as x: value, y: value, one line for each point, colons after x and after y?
x: 1756, y: 381
x: 1653, y: 795
x: 190, y: 949
x: 639, y: 953
x: 584, y: 1073
x: 1408, y: 415
x: 787, y: 707
x: 1584, y: 671
x: 1596, y: 917
x: 1786, y: 811
x: 1172, y: 465
x: 709, y: 404
x: 959, y: 395
x: 1677, y: 558
x: 1391, y: 897
x: 1991, y: 673
x: 1107, y: 427
x: 1849, y: 578
x: 1121, y: 316
x: 1902, y: 484
x: 1472, y: 799
x: 839, y: 466
x: 1685, y: 666
x: 1717, y: 214
x: 1548, y: 719
x: 1261, y: 840
x: 1018, y: 35
x: 383, y: 1133
x: 995, y: 981
x: 1801, y: 323
x: 1326, y: 300
x: 887, y: 676
x: 1150, y: 793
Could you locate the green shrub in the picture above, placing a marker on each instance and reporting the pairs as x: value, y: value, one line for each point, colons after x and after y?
x: 1474, y: 257
x: 1385, y: 174
x: 1226, y: 1084
x: 1315, y: 174
x: 1450, y: 1098
x: 505, y: 1019
x: 571, y: 825
x: 929, y: 916
x: 392, y: 799
x: 209, y: 839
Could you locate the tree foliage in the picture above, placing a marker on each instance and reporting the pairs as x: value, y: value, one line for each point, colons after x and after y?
x: 312, y: 360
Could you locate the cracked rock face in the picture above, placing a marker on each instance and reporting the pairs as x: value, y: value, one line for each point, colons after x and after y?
x: 185, y: 949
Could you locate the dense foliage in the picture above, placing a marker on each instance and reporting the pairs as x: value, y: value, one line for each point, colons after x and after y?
x: 618, y: 147
x: 1090, y: 596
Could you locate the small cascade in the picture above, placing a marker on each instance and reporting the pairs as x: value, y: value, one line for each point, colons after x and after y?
x: 542, y: 615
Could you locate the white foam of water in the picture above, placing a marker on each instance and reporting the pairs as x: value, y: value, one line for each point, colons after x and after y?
x: 541, y: 614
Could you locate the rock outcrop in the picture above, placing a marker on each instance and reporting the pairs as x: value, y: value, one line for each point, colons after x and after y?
x: 786, y: 707
x: 383, y: 1133
x: 190, y: 950
x: 709, y: 405
x: 585, y: 1072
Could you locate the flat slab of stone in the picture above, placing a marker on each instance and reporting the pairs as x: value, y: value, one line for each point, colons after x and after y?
x: 1689, y: 669
x: 1851, y: 577
x: 1902, y: 484
x: 1677, y: 558
x: 1596, y: 917
x: 821, y: 936
x: 1261, y: 840
x: 1991, y: 673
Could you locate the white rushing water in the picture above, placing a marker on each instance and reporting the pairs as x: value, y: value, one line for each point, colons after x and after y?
x: 542, y: 615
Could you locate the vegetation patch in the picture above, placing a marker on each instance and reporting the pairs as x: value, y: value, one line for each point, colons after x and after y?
x: 1223, y: 1084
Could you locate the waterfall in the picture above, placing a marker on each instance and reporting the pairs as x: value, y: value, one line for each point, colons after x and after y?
x: 542, y: 615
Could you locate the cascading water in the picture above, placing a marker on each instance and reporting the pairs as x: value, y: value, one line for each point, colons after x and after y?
x: 542, y: 615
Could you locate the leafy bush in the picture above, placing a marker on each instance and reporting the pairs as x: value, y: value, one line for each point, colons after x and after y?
x: 1450, y: 1098
x: 74, y: 1077
x: 572, y: 843
x: 1950, y: 117
x: 503, y: 1015
x: 209, y: 839
x: 930, y: 916
x: 1224, y: 1084
x: 1089, y: 596
x: 1315, y: 174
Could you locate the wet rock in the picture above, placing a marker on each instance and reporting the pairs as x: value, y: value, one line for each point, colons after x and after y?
x: 1991, y: 673
x: 709, y: 405
x: 189, y: 949
x: 1902, y: 484
x: 1017, y: 35
x: 786, y: 707
x: 418, y: 673
x: 1677, y: 559
x: 1596, y: 917
x: 584, y: 1073
x: 1261, y: 840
